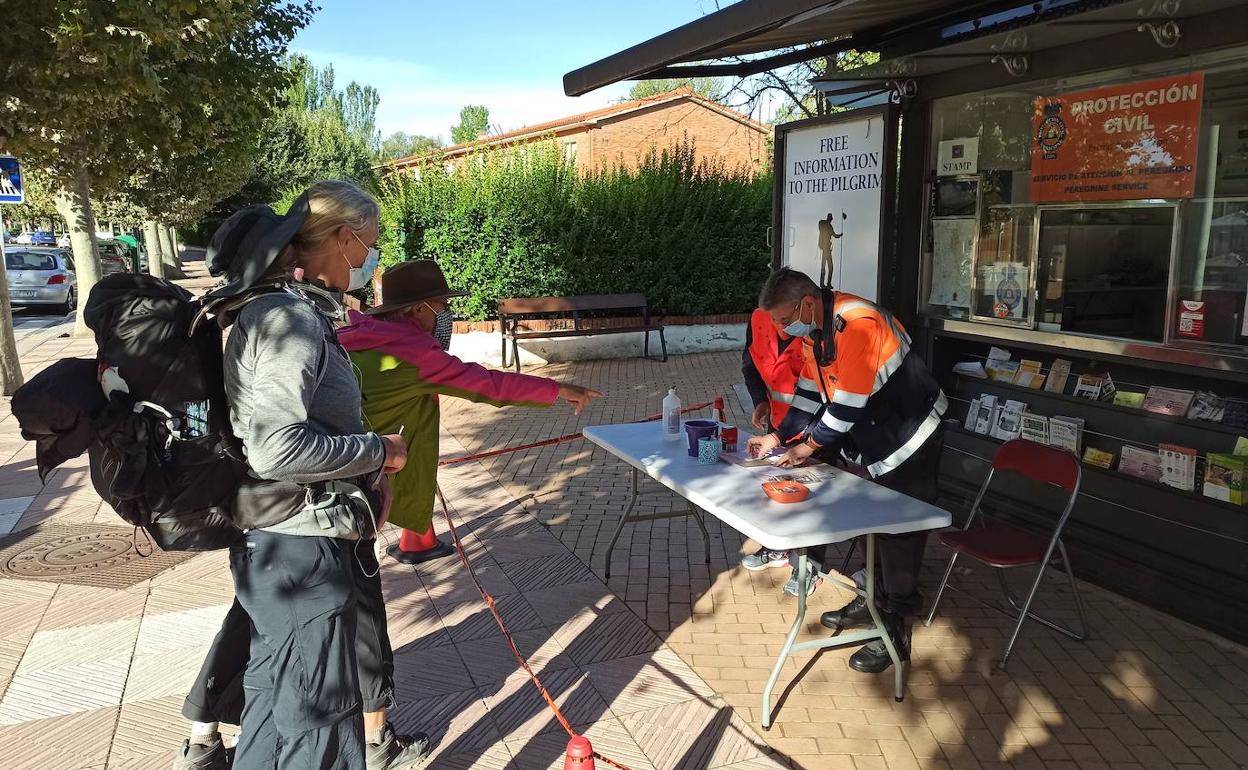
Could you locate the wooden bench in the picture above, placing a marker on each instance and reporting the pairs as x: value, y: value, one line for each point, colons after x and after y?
x: 512, y: 313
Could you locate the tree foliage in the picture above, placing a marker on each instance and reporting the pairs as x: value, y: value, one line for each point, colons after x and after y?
x: 711, y: 88
x: 404, y: 145
x: 689, y: 234
x: 474, y: 120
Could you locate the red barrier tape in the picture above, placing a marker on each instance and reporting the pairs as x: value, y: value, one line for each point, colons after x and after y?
x: 552, y: 441
x: 515, y: 651
x: 485, y: 595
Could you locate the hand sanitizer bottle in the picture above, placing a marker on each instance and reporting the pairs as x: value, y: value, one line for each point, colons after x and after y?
x: 671, y: 416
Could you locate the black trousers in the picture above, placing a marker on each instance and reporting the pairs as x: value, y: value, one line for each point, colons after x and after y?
x: 217, y: 695
x: 900, y: 557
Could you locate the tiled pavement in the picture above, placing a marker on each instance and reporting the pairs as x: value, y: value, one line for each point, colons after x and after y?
x: 662, y: 671
x: 1146, y: 691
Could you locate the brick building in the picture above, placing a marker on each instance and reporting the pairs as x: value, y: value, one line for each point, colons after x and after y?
x: 623, y: 133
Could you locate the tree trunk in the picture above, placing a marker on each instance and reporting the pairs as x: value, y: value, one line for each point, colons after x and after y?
x: 155, y: 257
x: 73, y: 203
x: 10, y: 365
x: 173, y: 265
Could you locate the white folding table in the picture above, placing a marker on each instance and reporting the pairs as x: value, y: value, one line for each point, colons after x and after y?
x: 839, y: 508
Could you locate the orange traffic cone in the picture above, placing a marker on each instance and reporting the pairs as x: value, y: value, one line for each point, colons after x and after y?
x: 580, y: 754
x: 419, y: 547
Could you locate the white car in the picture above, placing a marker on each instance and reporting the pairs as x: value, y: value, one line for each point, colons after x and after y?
x: 41, y: 277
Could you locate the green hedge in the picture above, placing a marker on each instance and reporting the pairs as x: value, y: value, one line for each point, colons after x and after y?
x: 688, y: 234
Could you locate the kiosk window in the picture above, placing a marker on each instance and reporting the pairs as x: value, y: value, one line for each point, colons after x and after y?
x: 1106, y: 270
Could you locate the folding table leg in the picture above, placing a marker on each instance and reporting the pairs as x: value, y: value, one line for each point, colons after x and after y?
x: 696, y: 513
x: 619, y: 525
x: 803, y: 566
x: 898, y: 670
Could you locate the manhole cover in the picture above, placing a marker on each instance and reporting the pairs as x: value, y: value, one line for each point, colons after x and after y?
x: 73, y: 553
x: 88, y: 554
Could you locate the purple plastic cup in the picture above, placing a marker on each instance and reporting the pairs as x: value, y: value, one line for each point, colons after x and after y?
x: 699, y: 429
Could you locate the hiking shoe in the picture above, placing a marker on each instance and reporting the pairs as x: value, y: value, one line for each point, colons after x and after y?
x: 853, y: 614
x: 397, y: 752
x: 764, y: 558
x: 211, y: 754
x: 873, y: 658
x: 812, y: 582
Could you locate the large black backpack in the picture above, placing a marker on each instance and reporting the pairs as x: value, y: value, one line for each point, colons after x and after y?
x: 166, y: 458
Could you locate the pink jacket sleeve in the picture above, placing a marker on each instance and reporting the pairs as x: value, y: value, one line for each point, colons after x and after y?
x: 443, y: 373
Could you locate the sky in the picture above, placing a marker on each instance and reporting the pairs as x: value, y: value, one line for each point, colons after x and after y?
x: 428, y: 59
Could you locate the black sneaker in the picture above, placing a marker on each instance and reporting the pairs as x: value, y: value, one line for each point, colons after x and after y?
x: 397, y: 752
x: 204, y: 754
x: 853, y: 614
x: 873, y: 657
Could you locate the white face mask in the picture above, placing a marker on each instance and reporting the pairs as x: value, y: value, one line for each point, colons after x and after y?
x: 358, y: 277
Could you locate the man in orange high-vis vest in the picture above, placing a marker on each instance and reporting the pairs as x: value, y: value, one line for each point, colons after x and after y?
x: 879, y: 395
x: 784, y: 402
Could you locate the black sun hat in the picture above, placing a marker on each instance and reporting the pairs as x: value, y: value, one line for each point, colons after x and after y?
x: 247, y: 244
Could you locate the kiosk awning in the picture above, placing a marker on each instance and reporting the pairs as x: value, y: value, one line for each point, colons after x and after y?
x: 751, y: 27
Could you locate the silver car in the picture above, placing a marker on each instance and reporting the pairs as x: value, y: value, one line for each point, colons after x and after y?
x: 41, y: 277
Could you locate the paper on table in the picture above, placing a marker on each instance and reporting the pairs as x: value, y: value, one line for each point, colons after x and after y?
x: 743, y: 458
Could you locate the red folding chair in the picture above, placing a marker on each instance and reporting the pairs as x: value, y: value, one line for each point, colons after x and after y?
x: 1003, y: 546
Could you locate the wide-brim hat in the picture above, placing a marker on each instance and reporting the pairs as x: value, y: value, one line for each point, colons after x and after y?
x: 247, y: 244
x: 411, y: 283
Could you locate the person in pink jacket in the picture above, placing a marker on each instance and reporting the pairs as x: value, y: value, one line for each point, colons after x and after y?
x: 399, y: 349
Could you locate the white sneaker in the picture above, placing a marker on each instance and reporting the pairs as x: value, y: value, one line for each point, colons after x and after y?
x: 812, y: 582
x: 764, y: 558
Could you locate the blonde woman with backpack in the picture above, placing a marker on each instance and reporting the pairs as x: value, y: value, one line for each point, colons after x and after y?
x: 305, y: 574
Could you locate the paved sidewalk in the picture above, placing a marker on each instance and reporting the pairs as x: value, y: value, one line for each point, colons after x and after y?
x: 663, y: 669
x: 93, y: 678
x: 1146, y: 691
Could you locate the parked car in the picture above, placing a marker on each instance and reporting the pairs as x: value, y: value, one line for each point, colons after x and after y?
x: 116, y: 257
x: 41, y: 277
x: 63, y: 241
x: 42, y: 238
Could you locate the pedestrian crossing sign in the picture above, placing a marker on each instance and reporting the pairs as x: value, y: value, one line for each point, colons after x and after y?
x: 11, y: 188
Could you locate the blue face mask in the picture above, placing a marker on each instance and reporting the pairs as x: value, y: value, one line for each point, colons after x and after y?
x: 797, y: 328
x: 358, y: 277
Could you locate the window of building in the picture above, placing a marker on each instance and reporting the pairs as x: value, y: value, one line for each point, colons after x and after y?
x: 569, y: 151
x: 1083, y: 251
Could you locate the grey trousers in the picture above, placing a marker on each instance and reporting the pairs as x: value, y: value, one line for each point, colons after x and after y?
x: 217, y: 695
x: 302, y: 708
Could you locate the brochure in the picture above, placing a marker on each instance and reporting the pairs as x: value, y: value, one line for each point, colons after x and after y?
x: 1099, y: 458
x: 1029, y: 375
x: 1009, y: 420
x: 1141, y: 463
x: 1171, y: 401
x: 1108, y: 389
x: 1088, y: 386
x: 1066, y: 433
x: 970, y: 369
x: 1035, y: 428
x: 1002, y: 371
x: 1236, y: 415
x: 987, y: 414
x: 1129, y: 398
x: 1225, y: 477
x: 972, y: 414
x: 1206, y: 406
x: 1058, y: 376
x: 997, y: 354
x: 1241, y: 446
x: 1178, y: 467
